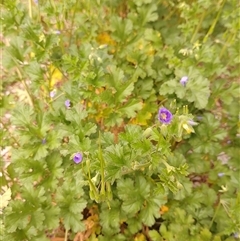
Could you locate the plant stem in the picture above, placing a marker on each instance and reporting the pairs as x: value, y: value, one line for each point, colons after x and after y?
x: 25, y: 86
x: 198, y: 27
x: 211, y: 29
x: 66, y: 235
x: 72, y: 22
x: 100, y: 156
x: 30, y: 8
x: 229, y: 41
x: 215, y: 214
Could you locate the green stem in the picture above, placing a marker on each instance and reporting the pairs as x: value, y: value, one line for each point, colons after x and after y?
x: 92, y: 186
x: 72, y: 22
x: 23, y: 81
x: 30, y: 8
x: 198, y: 27
x: 25, y: 86
x: 135, y: 168
x: 211, y: 29
x: 100, y: 156
x: 56, y: 97
x: 229, y: 41
x: 215, y: 214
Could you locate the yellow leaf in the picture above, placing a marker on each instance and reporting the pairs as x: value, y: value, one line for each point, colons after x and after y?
x: 141, y: 119
x: 55, y: 75
x: 105, y: 38
x: 140, y: 237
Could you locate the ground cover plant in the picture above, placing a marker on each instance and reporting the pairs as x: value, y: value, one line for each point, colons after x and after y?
x: 120, y: 120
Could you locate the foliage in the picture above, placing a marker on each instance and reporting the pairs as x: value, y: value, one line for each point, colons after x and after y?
x: 92, y: 151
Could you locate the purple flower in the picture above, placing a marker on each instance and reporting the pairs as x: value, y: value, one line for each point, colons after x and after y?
x: 236, y: 235
x: 164, y: 115
x: 52, y: 93
x: 192, y: 123
x: 77, y: 157
x: 184, y: 80
x: 44, y: 141
x: 221, y: 174
x: 57, y: 32
x: 67, y: 104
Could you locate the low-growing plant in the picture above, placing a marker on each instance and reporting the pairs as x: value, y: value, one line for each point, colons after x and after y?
x: 122, y: 118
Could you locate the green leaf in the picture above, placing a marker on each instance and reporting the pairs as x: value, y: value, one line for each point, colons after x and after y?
x: 72, y: 221
x: 134, y: 224
x: 51, y: 214
x: 116, y: 158
x: 23, y: 115
x: 149, y: 212
x: 121, y: 28
x: 13, y: 220
x: 34, y: 71
x: 70, y: 200
x: 197, y: 89
x: 147, y: 14
x: 144, y: 88
x: 53, y: 170
x: 124, y: 91
x: 133, y: 194
x: 206, y: 235
x: 130, y: 108
x: 35, y: 196
x: 37, y: 219
x: 29, y: 170
x: 154, y: 235
x: 76, y: 115
x: 165, y: 233
x: 41, y: 151
x: 16, y: 50
x: 139, y: 3
x: 89, y: 129
x: 110, y: 218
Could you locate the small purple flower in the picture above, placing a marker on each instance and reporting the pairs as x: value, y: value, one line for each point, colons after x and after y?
x: 44, y: 141
x: 164, y: 115
x: 236, y: 235
x: 57, y: 32
x: 52, y: 93
x: 67, y: 104
x: 184, y: 80
x: 35, y: 1
x: 192, y: 123
x: 77, y: 157
x: 221, y: 174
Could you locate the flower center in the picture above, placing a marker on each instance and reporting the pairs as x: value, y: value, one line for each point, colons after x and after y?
x: 163, y: 116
